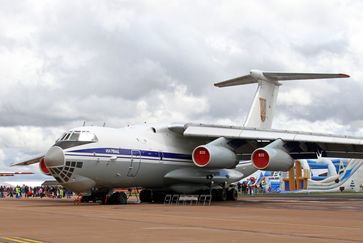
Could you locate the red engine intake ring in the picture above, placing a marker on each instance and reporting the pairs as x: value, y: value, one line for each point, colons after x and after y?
x: 260, y: 159
x: 43, y: 167
x: 201, y: 156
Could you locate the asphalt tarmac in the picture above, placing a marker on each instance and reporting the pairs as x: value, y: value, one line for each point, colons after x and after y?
x: 306, y: 218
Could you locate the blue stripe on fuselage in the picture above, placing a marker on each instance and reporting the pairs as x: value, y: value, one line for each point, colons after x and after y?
x: 143, y: 153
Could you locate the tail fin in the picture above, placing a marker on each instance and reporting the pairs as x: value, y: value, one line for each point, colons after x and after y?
x: 263, y: 106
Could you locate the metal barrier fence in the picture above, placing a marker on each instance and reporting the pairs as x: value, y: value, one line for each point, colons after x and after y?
x: 184, y: 199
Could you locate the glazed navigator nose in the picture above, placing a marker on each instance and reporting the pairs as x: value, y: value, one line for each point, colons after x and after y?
x: 54, y: 157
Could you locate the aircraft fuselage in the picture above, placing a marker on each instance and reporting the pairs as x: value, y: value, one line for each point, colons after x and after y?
x: 124, y: 157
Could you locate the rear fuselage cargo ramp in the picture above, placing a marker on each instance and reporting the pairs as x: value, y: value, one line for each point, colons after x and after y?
x: 188, y: 158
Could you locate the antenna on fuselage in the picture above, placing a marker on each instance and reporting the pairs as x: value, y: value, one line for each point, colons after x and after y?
x: 84, y: 123
x: 104, y: 124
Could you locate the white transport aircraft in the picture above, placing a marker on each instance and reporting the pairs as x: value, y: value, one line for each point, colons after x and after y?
x: 188, y: 158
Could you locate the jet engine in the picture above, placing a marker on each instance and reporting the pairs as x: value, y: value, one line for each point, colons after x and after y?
x: 43, y: 167
x: 214, y: 155
x: 272, y: 157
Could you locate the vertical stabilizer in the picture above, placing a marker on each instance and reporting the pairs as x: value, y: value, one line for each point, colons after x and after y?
x: 263, y: 106
x: 262, y: 110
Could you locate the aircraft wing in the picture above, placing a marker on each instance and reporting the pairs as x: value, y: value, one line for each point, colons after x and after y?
x: 16, y: 173
x: 300, y: 144
x: 30, y: 161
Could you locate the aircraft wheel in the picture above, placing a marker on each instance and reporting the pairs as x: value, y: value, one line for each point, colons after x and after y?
x: 122, y: 198
x: 223, y: 195
x: 232, y: 195
x: 118, y: 198
x: 145, y: 196
x: 85, y: 199
x: 111, y: 199
x: 219, y: 195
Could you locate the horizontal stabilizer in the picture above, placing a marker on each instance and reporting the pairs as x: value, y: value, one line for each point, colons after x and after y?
x: 247, y: 79
x: 297, y: 76
x: 274, y: 77
x: 30, y: 161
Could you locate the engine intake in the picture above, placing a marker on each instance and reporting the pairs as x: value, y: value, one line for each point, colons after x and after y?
x: 43, y: 167
x: 272, y: 157
x: 215, y: 155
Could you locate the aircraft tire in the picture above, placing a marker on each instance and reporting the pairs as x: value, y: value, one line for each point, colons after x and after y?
x: 219, y: 195
x: 122, y: 198
x: 118, y: 198
x: 85, y: 199
x: 111, y: 199
x: 145, y: 196
x: 223, y: 195
x: 232, y: 195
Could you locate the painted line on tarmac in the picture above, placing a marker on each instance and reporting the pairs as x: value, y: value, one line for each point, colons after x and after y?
x: 30, y: 240
x: 7, y: 239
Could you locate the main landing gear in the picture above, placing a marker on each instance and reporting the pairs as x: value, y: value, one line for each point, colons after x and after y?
x: 146, y: 195
x: 114, y: 199
x: 117, y: 198
x: 229, y: 194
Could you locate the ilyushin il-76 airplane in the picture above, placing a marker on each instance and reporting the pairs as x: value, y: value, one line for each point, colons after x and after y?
x: 188, y: 158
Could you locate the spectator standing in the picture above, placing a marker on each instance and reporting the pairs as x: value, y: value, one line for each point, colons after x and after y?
x: 18, y: 191
x: 2, y: 189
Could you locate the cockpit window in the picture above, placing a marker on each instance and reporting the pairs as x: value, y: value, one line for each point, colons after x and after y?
x: 82, y: 136
x: 87, y: 136
x: 74, y: 136
x: 67, y: 136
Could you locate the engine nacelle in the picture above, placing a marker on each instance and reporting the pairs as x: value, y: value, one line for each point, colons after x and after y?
x: 43, y: 167
x: 270, y: 158
x: 214, y: 157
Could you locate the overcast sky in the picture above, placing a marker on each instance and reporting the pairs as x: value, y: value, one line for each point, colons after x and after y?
x: 129, y: 62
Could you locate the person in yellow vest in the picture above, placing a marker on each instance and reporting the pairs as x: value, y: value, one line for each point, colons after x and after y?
x: 61, y: 192
x: 18, y: 191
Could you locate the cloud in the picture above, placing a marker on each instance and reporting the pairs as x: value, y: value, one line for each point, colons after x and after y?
x: 2, y: 158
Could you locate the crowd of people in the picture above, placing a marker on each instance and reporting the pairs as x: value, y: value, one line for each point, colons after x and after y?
x: 38, y: 191
x: 249, y: 187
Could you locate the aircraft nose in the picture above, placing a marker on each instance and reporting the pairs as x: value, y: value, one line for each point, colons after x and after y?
x: 54, y: 157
